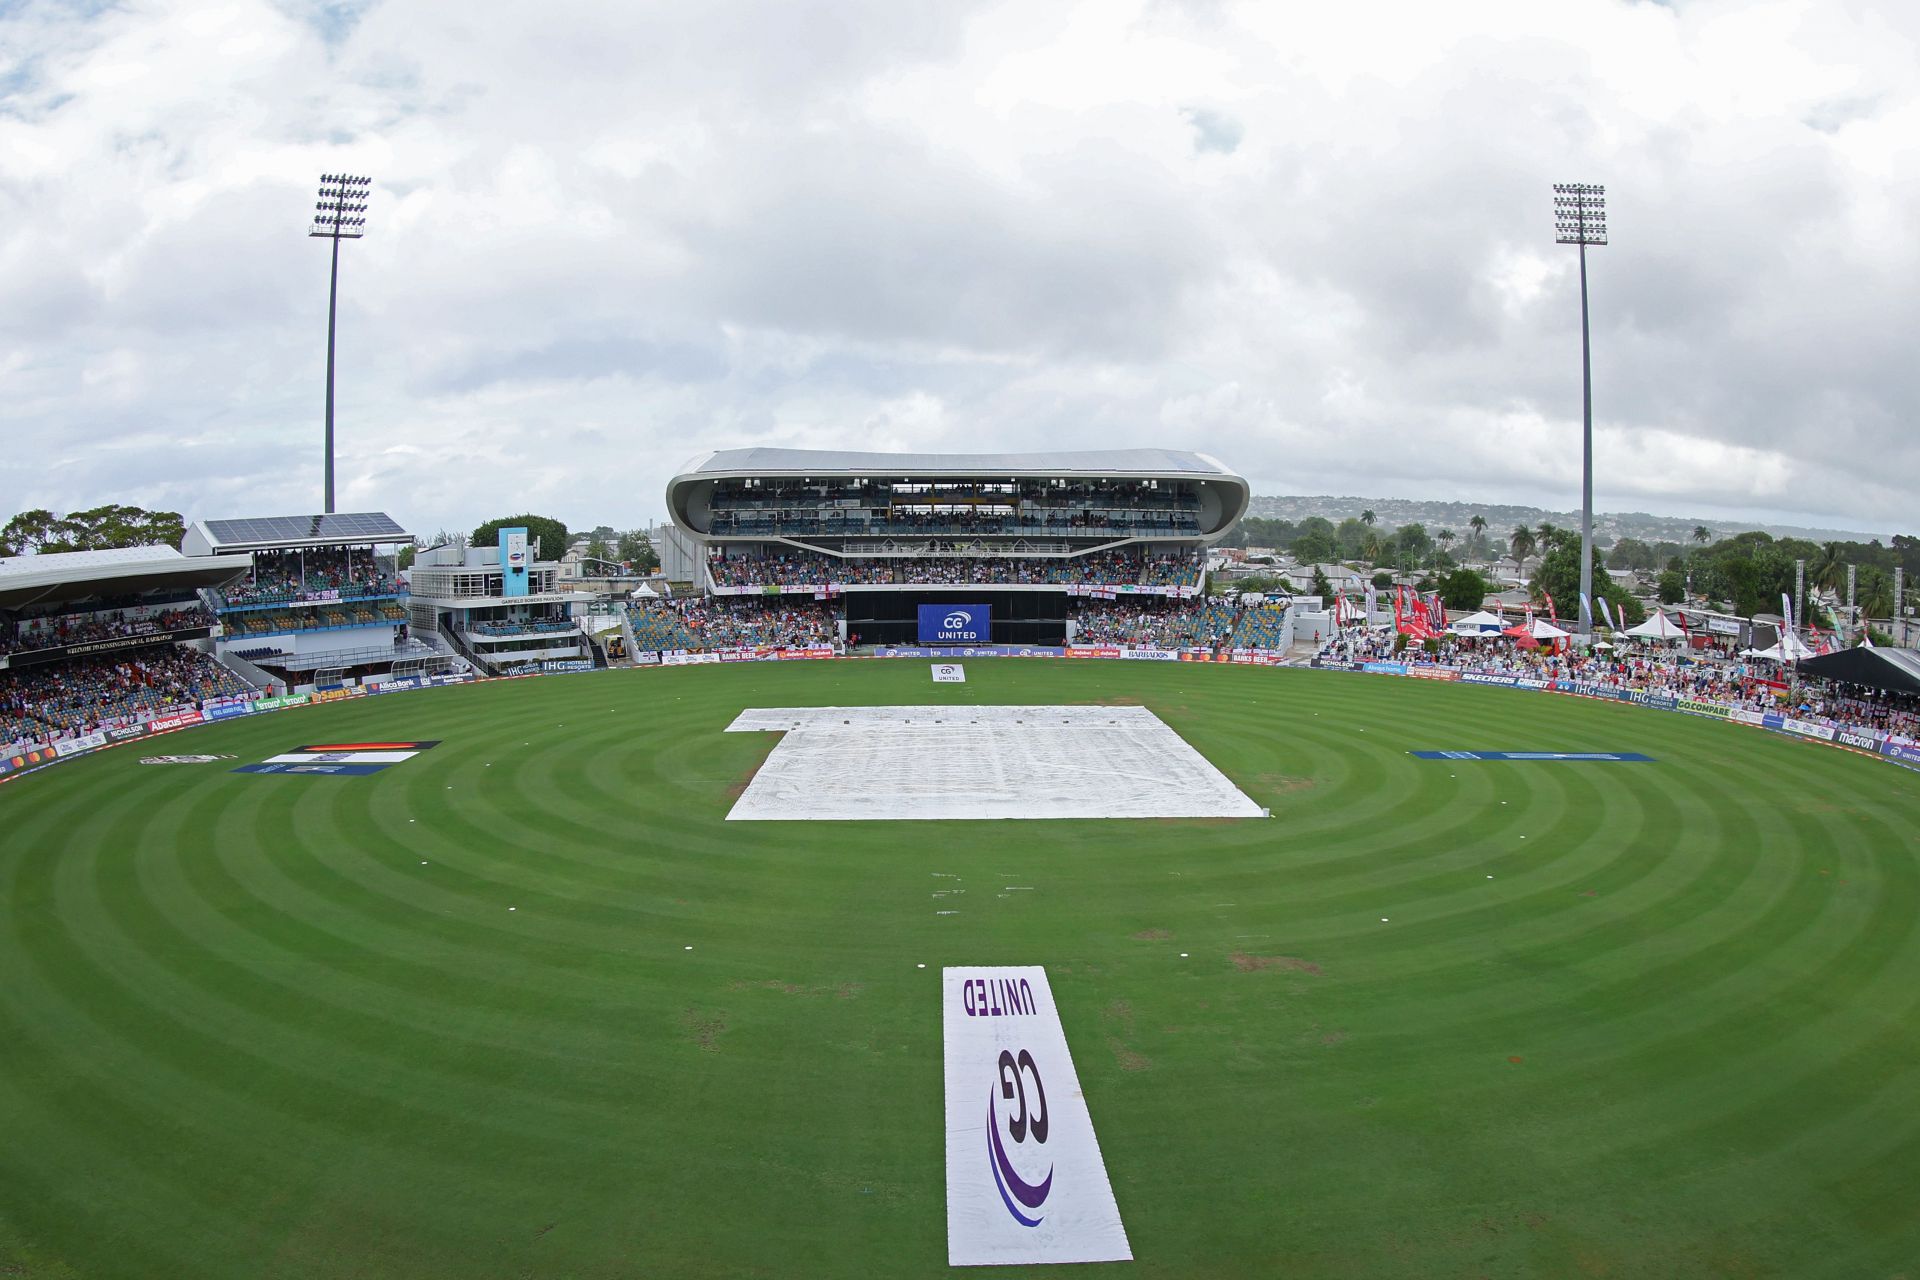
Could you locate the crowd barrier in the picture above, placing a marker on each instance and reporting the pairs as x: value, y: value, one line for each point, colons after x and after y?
x: 212, y: 710
x: 1897, y: 749
x: 207, y: 712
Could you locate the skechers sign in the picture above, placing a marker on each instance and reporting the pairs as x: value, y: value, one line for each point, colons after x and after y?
x: 1025, y: 1181
x: 955, y: 623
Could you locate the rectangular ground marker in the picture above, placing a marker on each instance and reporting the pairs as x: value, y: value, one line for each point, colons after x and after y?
x: 949, y: 673
x: 1627, y: 757
x: 1025, y: 1179
x: 921, y: 763
x: 342, y: 759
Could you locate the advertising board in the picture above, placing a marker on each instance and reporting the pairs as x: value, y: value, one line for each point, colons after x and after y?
x: 956, y: 624
x: 1025, y: 1179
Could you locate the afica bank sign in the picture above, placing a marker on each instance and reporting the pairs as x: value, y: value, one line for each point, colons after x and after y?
x: 955, y: 623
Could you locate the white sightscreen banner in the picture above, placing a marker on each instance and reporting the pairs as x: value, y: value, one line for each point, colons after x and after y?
x: 1025, y: 1181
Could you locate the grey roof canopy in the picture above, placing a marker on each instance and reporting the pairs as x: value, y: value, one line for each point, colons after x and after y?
x: 265, y: 533
x: 1094, y: 462
x: 1891, y: 670
x: 76, y: 577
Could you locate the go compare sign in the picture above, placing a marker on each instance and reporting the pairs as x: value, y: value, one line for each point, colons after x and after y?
x: 1025, y: 1181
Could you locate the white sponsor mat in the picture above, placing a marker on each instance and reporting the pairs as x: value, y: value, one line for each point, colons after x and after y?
x: 871, y: 763
x: 1025, y: 1181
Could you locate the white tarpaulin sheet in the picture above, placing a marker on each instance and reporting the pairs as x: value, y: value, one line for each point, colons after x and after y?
x: 866, y: 763
x: 1025, y: 1181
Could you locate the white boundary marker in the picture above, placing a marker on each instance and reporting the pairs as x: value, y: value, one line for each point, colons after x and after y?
x: 1025, y: 1179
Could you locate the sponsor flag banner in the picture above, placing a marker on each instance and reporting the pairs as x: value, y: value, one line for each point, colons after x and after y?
x: 1025, y: 1180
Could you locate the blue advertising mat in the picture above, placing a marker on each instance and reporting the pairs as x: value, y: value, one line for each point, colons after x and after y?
x: 1624, y: 757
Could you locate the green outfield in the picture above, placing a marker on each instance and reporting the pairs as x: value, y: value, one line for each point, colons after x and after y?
x: 1651, y: 1019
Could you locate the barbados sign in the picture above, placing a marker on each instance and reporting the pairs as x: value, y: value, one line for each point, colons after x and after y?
x: 1025, y: 1181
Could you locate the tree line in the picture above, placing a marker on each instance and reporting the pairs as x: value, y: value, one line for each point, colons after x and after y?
x: 105, y: 528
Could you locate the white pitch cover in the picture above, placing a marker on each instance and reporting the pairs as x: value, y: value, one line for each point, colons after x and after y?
x: 1025, y: 1181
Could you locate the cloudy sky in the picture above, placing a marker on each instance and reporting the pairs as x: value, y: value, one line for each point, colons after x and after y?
x: 1314, y: 240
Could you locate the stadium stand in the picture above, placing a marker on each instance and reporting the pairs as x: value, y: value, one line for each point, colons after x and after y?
x: 321, y: 595
x: 45, y: 703
x: 796, y: 569
x: 1019, y: 534
x: 721, y: 622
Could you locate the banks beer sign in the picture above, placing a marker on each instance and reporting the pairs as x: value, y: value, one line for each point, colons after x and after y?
x: 1025, y: 1180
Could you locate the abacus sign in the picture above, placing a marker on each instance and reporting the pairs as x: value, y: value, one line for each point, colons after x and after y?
x: 1025, y: 1179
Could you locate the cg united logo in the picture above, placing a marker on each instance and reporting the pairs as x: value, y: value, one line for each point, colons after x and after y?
x: 1029, y: 1122
x: 1042, y: 1193
x: 957, y: 622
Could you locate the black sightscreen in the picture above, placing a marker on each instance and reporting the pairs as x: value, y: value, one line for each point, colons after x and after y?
x: 1019, y: 617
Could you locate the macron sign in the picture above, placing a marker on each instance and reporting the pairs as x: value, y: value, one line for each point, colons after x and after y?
x: 1025, y: 1181
x: 955, y: 623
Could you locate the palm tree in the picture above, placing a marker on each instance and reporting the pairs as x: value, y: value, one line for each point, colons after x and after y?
x: 1445, y: 538
x: 1829, y: 568
x: 1479, y: 526
x: 1367, y: 517
x: 1522, y: 542
x: 1702, y: 534
x: 1370, y: 549
x: 1546, y: 532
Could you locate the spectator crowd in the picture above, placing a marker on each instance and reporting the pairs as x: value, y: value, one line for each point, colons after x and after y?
x: 1749, y: 685
x: 1196, y: 623
x: 79, y: 695
x: 56, y: 631
x: 319, y: 573
x: 733, y: 622
x: 801, y: 569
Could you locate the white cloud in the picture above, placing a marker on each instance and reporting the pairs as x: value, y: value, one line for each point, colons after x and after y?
x: 1312, y: 241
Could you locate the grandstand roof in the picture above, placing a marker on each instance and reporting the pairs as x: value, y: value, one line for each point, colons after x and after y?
x: 66, y: 577
x: 1894, y: 670
x: 1091, y: 462
x: 267, y: 533
x: 1224, y: 495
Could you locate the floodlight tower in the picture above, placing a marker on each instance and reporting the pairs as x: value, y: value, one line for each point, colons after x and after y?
x: 340, y: 215
x: 1580, y: 218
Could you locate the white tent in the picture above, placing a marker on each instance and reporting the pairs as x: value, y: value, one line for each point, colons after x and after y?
x: 1547, y: 631
x: 1658, y: 626
x: 643, y: 592
x: 1475, y: 624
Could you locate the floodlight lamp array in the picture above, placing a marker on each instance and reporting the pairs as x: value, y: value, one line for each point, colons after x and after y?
x: 1579, y: 213
x: 340, y: 212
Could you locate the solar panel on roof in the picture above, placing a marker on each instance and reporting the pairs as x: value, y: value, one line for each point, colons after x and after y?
x: 373, y: 525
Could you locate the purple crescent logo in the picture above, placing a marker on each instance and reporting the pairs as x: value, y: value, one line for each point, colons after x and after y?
x: 1014, y: 1072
